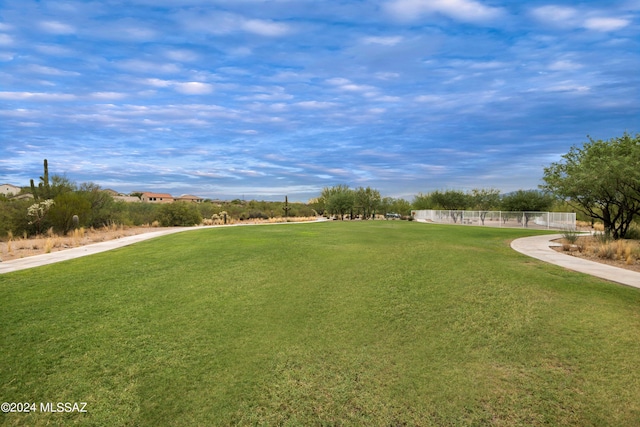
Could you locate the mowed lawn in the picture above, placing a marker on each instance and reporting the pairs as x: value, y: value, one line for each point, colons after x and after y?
x: 384, y: 323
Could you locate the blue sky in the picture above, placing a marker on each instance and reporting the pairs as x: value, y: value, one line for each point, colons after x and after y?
x: 262, y: 99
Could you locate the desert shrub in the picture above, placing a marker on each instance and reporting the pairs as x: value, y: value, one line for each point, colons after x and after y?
x: 179, y: 214
x: 253, y: 214
x: 13, y: 217
x: 65, y: 207
x: 605, y: 251
x: 602, y: 237
x: 139, y: 213
x: 570, y: 236
x: 207, y: 209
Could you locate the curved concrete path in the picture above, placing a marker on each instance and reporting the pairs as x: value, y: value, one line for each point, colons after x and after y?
x: 539, y: 247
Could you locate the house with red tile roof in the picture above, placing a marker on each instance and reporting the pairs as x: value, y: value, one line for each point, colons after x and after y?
x: 189, y: 198
x: 157, y: 198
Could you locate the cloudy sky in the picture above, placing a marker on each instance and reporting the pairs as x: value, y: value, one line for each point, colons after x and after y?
x: 266, y: 98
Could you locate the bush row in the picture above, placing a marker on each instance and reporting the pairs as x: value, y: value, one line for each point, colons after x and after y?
x: 96, y: 208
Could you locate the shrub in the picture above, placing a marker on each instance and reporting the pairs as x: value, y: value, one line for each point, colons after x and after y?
x: 602, y: 237
x: 605, y: 251
x: 570, y: 236
x: 634, y: 232
x: 179, y: 214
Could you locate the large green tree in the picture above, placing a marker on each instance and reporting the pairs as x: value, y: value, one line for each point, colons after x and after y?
x: 602, y: 179
x: 367, y: 201
x: 452, y: 200
x: 338, y: 200
x: 528, y: 202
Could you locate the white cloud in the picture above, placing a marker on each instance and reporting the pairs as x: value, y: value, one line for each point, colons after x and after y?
x: 555, y: 14
x: 348, y: 86
x: 315, y: 104
x: 158, y: 82
x: 51, y: 71
x: 568, y: 86
x: 338, y: 81
x: 265, y: 28
x: 54, y: 50
x: 569, y: 17
x: 186, y: 88
x: 385, y: 41
x: 108, y: 96
x: 36, y: 96
x: 564, y: 65
x: 227, y: 23
x: 605, y: 24
x: 461, y: 10
x: 193, y: 88
x: 6, y: 40
x: 181, y: 55
x: 56, y: 27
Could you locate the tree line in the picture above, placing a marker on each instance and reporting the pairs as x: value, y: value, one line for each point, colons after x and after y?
x: 600, y: 180
x: 59, y: 204
x: 341, y: 201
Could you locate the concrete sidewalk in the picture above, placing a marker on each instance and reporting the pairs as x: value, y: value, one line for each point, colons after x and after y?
x: 53, y: 257
x: 94, y: 248
x: 539, y: 247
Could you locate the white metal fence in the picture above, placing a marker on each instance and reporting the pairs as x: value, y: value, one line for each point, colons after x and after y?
x: 536, y: 220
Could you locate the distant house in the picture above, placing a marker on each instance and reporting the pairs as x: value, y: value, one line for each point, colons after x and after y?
x: 128, y: 199
x: 157, y: 198
x: 189, y: 198
x: 9, y: 190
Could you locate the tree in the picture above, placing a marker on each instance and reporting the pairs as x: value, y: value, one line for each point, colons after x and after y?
x: 453, y: 200
x: 103, y: 208
x: 422, y: 202
x: 338, y: 200
x: 484, y: 199
x: 367, y: 200
x: 602, y: 179
x: 527, y: 201
x: 401, y: 206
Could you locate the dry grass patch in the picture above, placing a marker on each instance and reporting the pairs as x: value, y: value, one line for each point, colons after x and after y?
x: 15, y: 248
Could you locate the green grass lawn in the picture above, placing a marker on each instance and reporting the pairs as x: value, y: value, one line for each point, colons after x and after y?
x: 383, y: 323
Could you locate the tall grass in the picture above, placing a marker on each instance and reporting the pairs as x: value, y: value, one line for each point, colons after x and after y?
x: 366, y: 323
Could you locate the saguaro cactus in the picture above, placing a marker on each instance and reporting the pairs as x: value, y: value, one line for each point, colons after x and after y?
x: 44, y: 189
x: 286, y: 207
